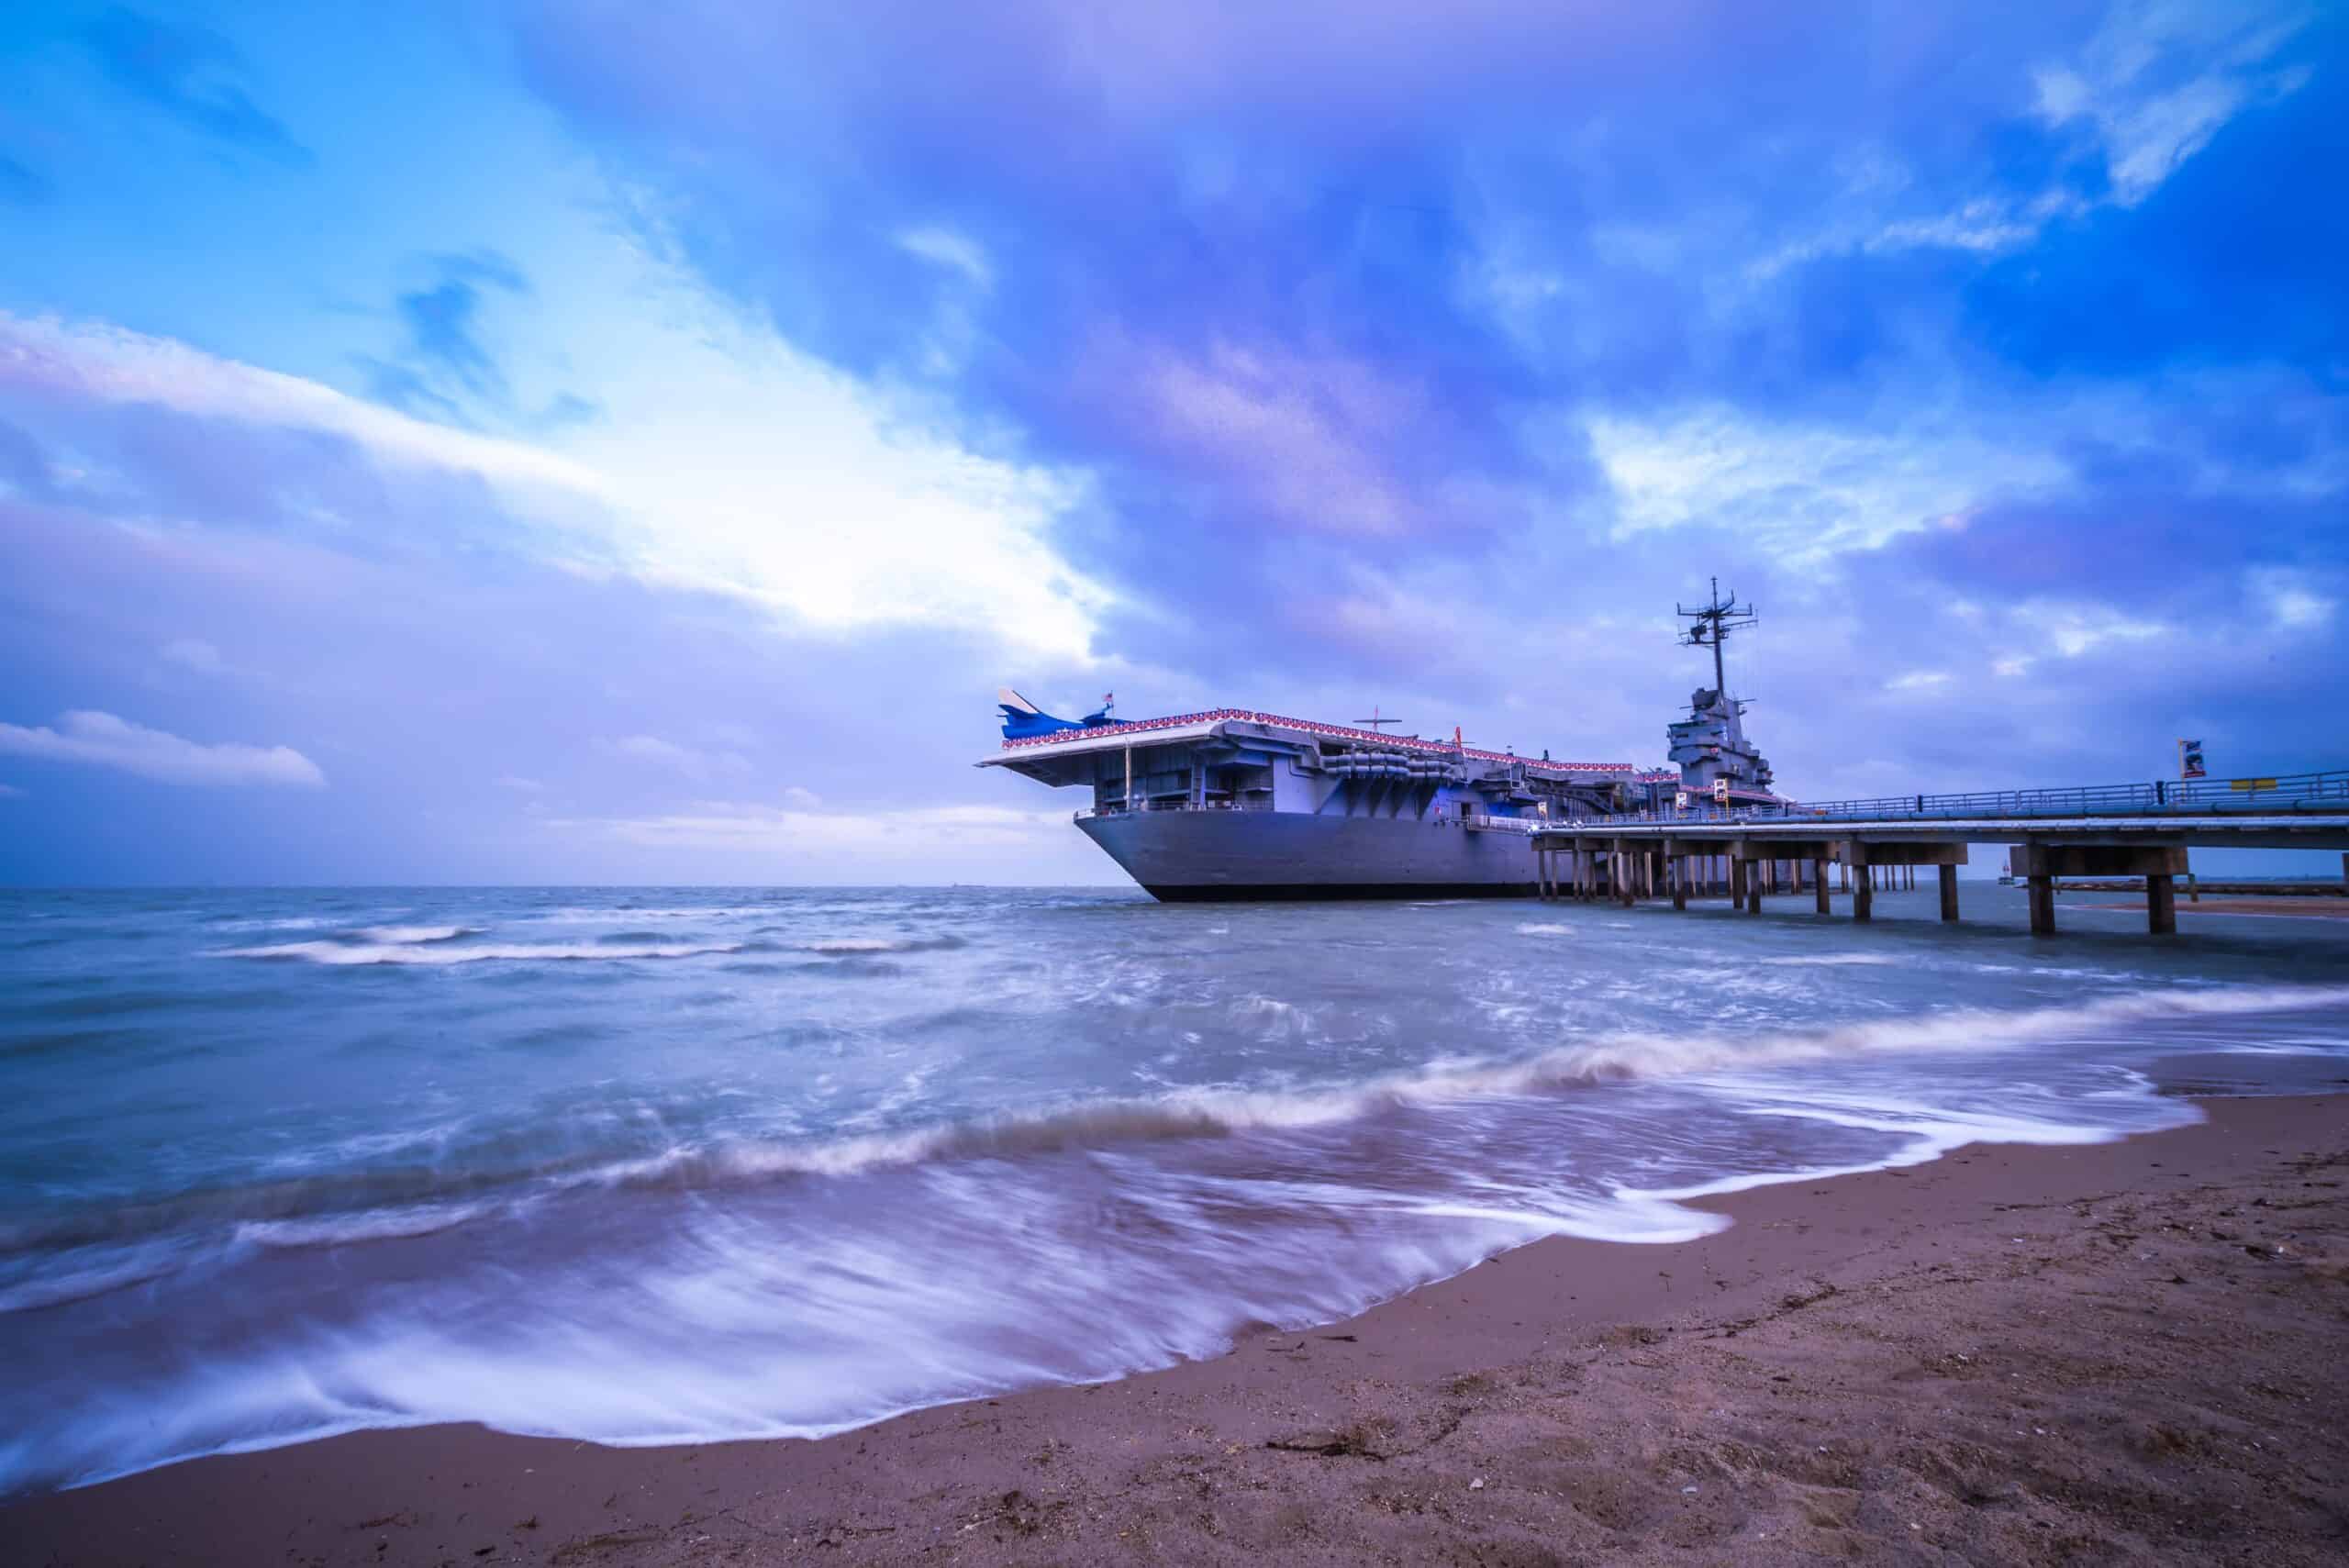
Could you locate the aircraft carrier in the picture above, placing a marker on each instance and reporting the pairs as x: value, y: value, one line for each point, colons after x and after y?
x: 1239, y: 804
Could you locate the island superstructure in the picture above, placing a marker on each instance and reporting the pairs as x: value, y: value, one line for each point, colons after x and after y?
x: 1710, y: 745
x: 1238, y: 804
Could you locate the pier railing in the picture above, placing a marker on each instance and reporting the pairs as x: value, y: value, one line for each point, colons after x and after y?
x: 2281, y: 794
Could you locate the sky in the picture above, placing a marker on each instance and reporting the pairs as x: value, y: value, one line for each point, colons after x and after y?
x: 587, y: 442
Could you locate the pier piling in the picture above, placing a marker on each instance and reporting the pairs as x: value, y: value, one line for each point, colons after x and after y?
x: 1948, y: 891
x: 2160, y: 866
x: 2043, y: 905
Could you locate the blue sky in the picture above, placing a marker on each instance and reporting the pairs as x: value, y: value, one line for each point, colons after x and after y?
x: 591, y: 442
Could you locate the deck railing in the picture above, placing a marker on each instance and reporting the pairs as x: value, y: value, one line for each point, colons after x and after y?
x: 1475, y: 822
x: 2283, y: 795
x: 1084, y: 812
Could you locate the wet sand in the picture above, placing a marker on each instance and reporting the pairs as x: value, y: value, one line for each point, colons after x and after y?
x: 2308, y: 907
x: 2123, y: 1353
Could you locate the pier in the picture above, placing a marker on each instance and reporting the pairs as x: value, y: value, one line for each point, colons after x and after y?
x: 2123, y: 830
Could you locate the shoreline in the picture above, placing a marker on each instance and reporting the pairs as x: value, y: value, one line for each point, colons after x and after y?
x: 2298, y: 906
x: 1458, y: 1418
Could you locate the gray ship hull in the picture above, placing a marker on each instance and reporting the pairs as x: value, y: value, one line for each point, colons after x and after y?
x: 1181, y: 856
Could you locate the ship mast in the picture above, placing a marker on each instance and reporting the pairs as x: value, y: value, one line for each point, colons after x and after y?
x: 1711, y: 624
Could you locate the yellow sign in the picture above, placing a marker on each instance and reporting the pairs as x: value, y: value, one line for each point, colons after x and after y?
x: 2251, y: 783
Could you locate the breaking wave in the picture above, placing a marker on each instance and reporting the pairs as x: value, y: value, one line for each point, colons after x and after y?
x: 418, y: 1199
x: 1222, y: 1113
x: 1831, y: 960
x: 658, y: 1201
x: 434, y: 950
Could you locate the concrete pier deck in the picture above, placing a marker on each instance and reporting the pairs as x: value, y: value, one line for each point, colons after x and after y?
x: 2131, y: 830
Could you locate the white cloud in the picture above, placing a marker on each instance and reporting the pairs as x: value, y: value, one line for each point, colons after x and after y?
x: 2063, y: 94
x: 2290, y: 599
x: 2159, y: 80
x: 1917, y: 681
x: 2074, y: 629
x: 727, y: 463
x: 196, y: 654
x: 104, y: 740
x: 741, y: 466
x: 107, y: 364
x: 756, y: 827
x: 692, y: 761
x: 947, y: 249
x: 1808, y: 489
x: 2150, y: 91
x: 8, y: 790
x: 802, y: 799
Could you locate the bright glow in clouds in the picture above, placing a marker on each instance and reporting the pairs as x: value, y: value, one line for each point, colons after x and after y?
x: 104, y: 740
x: 743, y: 466
x: 728, y: 464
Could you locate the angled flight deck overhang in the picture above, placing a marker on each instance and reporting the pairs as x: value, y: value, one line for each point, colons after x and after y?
x: 1048, y: 757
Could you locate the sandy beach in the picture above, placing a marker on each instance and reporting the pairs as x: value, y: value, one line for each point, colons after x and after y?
x: 2305, y: 907
x: 2118, y: 1352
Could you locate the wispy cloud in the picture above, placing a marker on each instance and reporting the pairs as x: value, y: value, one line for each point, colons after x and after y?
x: 689, y: 761
x: 443, y: 363
x: 2159, y: 80
x: 21, y: 184
x: 756, y: 827
x: 957, y: 252
x: 1809, y: 488
x: 192, y: 75
x: 102, y: 739
x: 193, y: 653
x: 2292, y: 600
x: 53, y: 360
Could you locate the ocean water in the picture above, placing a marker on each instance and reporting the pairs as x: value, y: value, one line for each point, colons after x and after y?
x: 656, y: 1165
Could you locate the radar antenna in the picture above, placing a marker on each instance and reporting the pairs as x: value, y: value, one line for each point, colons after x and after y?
x: 1373, y: 721
x: 1711, y: 624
